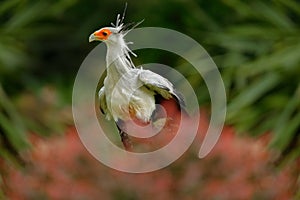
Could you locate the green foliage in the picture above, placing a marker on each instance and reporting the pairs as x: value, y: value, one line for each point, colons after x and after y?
x: 12, y: 131
x: 255, y: 44
x: 260, y: 67
x: 256, y: 47
x: 22, y: 23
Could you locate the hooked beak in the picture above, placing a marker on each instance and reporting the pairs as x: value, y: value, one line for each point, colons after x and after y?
x: 92, y: 38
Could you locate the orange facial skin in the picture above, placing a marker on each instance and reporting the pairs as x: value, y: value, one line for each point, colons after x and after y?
x: 102, y: 34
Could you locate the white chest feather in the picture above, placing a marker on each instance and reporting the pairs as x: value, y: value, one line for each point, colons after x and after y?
x: 126, y: 97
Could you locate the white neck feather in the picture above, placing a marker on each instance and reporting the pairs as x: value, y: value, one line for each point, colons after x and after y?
x: 118, y: 60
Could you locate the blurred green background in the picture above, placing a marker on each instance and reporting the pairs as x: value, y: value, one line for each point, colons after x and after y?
x: 255, y: 44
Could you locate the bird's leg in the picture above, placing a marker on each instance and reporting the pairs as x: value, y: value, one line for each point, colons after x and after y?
x: 124, y: 137
x: 126, y: 141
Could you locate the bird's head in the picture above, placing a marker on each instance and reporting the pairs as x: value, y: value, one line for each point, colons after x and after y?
x: 115, y: 33
x: 106, y: 34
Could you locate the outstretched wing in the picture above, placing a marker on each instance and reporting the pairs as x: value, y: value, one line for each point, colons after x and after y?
x: 159, y: 85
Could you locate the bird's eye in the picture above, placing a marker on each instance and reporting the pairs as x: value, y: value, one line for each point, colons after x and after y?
x: 102, y: 34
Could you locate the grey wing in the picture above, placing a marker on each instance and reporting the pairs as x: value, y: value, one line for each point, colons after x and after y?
x: 160, y: 85
x: 102, y: 102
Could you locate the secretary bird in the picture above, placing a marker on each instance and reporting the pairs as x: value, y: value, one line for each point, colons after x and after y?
x: 130, y: 93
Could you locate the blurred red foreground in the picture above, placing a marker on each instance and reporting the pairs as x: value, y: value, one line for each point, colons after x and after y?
x: 237, y: 168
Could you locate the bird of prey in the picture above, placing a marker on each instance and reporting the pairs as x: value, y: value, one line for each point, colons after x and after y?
x: 129, y: 92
